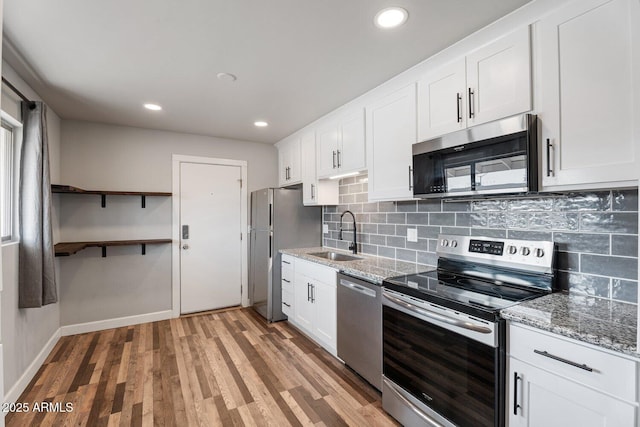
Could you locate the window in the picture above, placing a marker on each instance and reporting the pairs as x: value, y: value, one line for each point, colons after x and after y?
x: 7, y: 180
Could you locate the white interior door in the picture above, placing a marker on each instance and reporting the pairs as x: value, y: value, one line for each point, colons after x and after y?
x: 211, y: 253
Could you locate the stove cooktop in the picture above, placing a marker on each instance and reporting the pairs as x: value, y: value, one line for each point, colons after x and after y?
x: 489, y: 295
x: 481, y: 276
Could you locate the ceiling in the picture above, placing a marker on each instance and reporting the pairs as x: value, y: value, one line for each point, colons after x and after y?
x: 295, y: 60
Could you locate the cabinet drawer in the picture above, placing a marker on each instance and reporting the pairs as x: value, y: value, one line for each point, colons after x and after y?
x: 287, y: 261
x: 609, y: 373
x: 286, y: 274
x: 287, y: 302
x: 318, y: 272
x: 287, y: 285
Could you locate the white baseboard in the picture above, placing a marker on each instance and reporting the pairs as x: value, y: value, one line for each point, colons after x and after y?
x: 14, y: 394
x: 100, y: 325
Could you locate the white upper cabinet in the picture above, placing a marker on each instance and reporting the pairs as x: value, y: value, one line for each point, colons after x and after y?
x: 315, y: 192
x: 490, y: 83
x: 391, y: 130
x: 289, y: 162
x: 442, y: 101
x: 341, y: 145
x: 590, y: 94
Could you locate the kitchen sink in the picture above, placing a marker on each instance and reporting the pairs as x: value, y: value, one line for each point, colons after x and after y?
x: 334, y: 256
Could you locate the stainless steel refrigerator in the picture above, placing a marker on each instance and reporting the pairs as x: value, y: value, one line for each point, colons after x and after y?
x: 278, y: 221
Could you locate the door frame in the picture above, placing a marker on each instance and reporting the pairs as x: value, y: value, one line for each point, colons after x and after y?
x: 177, y: 160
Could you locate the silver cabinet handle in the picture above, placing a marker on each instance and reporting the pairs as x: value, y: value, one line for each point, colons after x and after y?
x: 313, y: 195
x: 288, y: 305
x: 516, y: 405
x: 563, y: 360
x: 339, y: 162
x: 285, y: 280
x: 410, y: 178
x: 334, y: 159
x: 471, y: 112
x: 459, y: 106
x: 438, y: 316
x: 549, y: 145
x: 313, y: 293
x: 185, y: 246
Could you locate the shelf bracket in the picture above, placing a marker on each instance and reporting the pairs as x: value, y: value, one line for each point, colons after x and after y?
x: 104, y: 200
x: 104, y: 251
x: 144, y: 202
x: 144, y: 246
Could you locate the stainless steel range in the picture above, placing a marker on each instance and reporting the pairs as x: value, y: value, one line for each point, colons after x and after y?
x: 443, y: 339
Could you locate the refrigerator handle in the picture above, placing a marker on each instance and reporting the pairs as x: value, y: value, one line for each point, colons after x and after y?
x: 270, y: 214
x: 270, y: 244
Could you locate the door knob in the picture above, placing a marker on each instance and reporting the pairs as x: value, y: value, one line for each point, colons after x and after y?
x: 185, y: 246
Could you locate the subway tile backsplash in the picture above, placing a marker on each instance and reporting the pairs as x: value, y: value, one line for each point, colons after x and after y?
x: 596, y: 232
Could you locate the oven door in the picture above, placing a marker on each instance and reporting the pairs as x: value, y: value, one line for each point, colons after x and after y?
x: 440, y: 365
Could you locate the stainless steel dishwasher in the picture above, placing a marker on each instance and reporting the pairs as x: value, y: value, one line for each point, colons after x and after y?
x: 360, y: 327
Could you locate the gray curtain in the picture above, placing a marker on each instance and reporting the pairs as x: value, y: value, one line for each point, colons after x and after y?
x: 37, y: 280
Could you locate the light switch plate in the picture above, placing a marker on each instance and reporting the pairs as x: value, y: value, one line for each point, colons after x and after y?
x: 412, y: 234
x: 325, y: 228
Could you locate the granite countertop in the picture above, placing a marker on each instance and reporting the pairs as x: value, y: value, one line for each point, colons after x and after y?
x: 604, y: 323
x: 371, y: 268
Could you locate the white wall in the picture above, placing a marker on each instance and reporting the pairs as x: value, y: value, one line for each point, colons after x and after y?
x: 107, y: 157
x: 25, y: 332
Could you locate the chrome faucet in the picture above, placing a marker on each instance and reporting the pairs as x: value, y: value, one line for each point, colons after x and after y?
x: 353, y: 246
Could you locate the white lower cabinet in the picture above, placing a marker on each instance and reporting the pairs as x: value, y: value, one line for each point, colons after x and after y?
x: 558, y: 382
x: 314, y: 302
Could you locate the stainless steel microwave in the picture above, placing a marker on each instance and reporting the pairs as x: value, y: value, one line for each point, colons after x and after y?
x: 499, y: 157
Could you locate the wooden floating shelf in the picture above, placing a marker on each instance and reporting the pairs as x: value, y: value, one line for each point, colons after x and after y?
x: 68, y: 189
x: 70, y: 248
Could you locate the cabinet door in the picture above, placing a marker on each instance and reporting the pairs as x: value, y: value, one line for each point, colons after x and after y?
x: 499, y: 79
x: 295, y: 161
x: 442, y: 101
x: 309, y: 180
x: 304, y: 308
x: 327, y: 151
x: 283, y: 164
x: 324, y: 299
x: 590, y: 89
x: 391, y: 130
x: 548, y: 400
x: 351, y: 151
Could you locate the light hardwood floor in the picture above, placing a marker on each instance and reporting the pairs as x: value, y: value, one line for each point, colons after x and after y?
x: 225, y: 368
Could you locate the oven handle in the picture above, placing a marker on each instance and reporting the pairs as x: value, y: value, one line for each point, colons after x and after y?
x: 438, y: 316
x: 399, y: 393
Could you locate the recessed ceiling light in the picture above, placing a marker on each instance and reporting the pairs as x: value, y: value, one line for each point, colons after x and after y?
x: 261, y: 124
x: 226, y: 77
x: 153, y: 107
x: 391, y: 17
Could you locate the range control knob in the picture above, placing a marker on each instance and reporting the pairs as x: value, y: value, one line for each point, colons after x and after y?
x: 454, y: 243
x: 525, y: 250
x: 512, y: 250
x: 539, y: 252
x: 444, y: 243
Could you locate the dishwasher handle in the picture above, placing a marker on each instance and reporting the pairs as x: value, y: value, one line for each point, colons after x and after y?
x: 358, y: 288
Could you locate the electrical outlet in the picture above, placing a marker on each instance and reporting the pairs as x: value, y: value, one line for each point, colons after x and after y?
x: 412, y: 234
x: 325, y: 228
